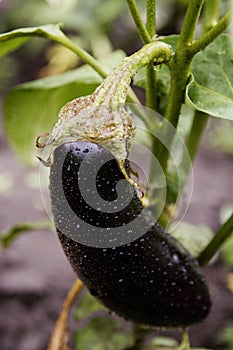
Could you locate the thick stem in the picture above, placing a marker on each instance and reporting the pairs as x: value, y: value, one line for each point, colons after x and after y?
x: 221, y: 236
x: 180, y: 69
x: 142, y: 31
x: 180, y: 65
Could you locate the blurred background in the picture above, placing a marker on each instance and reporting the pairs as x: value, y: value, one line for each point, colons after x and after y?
x: 34, y: 274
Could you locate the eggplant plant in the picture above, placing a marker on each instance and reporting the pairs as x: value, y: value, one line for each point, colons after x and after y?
x: 115, y: 228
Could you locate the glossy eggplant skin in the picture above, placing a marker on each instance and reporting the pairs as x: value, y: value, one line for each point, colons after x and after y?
x: 152, y: 280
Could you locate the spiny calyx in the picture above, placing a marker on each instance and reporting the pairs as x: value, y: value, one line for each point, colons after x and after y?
x: 102, y: 117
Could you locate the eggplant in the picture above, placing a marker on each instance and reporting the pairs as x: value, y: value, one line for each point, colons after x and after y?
x: 125, y: 258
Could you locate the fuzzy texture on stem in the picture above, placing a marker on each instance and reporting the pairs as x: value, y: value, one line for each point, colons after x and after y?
x: 211, y: 35
x: 180, y: 69
x: 142, y: 31
x: 151, y: 85
x: 151, y: 17
x: 221, y: 236
x: 181, y: 63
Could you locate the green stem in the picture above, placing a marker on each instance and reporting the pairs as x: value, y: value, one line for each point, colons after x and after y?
x: 151, y: 86
x: 142, y: 31
x: 210, y: 15
x: 211, y: 35
x: 84, y: 55
x: 200, y: 119
x: 151, y: 17
x: 185, y: 345
x: 180, y: 65
x: 219, y: 239
x: 193, y: 140
x: 190, y: 22
x: 180, y: 69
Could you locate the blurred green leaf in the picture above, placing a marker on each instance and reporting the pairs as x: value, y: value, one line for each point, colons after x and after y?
x: 226, y: 252
x: 10, y: 41
x: 221, y: 136
x: 162, y: 343
x: 32, y: 108
x: 193, y: 237
x: 7, y: 238
x: 6, y: 182
x: 225, y: 337
x: 225, y: 212
x: 103, y: 333
x: 87, y: 306
x: 210, y: 89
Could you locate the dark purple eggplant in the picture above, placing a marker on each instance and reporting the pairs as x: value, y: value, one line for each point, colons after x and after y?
x: 143, y: 274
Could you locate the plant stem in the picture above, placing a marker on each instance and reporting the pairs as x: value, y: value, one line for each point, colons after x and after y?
x: 200, y: 119
x: 180, y: 65
x: 90, y: 60
x: 211, y: 35
x: 190, y: 22
x: 151, y: 17
x: 180, y: 69
x: 210, y: 15
x: 151, y: 86
x: 193, y: 140
x: 185, y: 345
x: 219, y: 239
x: 60, y: 337
x: 142, y: 31
x: 84, y: 55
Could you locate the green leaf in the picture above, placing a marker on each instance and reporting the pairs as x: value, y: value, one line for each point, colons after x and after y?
x: 221, y: 136
x: 211, y: 87
x: 193, y: 237
x: 32, y: 108
x: 7, y: 238
x: 162, y: 343
x: 10, y: 41
x: 225, y: 337
x: 103, y: 333
x: 87, y: 306
x: 226, y: 253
